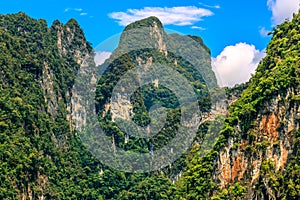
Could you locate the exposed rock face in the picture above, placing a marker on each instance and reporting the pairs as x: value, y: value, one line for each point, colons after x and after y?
x: 149, y: 34
x: 78, y: 95
x: 48, y: 59
x: 154, y: 33
x: 121, y: 108
x: 68, y: 38
x: 258, y: 146
x: 145, y: 45
x: 241, y: 160
x: 50, y: 93
x: 157, y: 34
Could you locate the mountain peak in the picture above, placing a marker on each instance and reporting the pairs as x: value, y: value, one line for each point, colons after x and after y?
x: 151, y: 21
x: 72, y: 22
x: 145, y: 33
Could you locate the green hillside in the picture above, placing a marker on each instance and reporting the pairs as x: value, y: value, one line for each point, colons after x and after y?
x: 256, y: 155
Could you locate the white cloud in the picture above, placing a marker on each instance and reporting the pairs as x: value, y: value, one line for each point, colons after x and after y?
x: 100, y: 57
x: 282, y: 9
x: 78, y: 9
x: 179, y: 16
x: 235, y: 64
x: 209, y: 6
x: 73, y: 9
x: 198, y: 27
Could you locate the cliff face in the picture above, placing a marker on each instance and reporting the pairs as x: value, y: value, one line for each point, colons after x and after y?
x: 77, y: 53
x: 256, y: 156
x: 272, y: 143
x: 38, y: 66
x: 41, y: 155
x: 261, y: 150
x: 145, y: 45
x: 147, y: 33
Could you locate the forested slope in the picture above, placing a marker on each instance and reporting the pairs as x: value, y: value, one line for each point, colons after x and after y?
x: 257, y: 153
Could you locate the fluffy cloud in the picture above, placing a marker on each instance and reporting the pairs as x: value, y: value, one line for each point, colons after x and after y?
x: 235, y: 64
x: 78, y: 10
x: 180, y: 16
x: 283, y: 9
x: 199, y: 28
x: 100, y: 57
x: 73, y: 9
x: 209, y: 6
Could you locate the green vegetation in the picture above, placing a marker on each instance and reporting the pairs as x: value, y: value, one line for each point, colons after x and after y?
x: 40, y: 156
x: 277, y: 73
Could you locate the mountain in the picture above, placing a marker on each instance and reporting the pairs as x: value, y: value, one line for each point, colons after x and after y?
x: 47, y: 149
x: 42, y: 155
x: 145, y: 46
x: 148, y: 60
x: 41, y: 158
x: 257, y: 153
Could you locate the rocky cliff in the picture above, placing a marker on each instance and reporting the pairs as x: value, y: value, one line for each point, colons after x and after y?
x: 38, y: 65
x: 144, y: 45
x: 256, y: 156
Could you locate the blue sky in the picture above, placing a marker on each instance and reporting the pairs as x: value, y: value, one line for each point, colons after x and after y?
x: 225, y: 26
